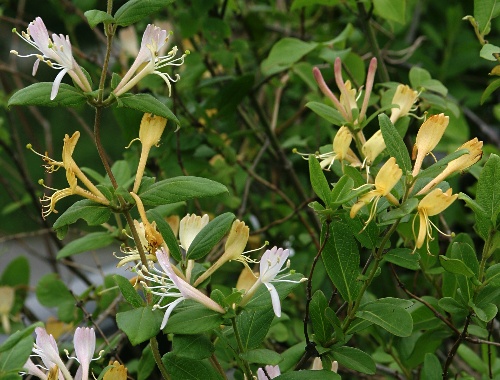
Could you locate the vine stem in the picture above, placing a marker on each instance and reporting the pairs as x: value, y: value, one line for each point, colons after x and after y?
x: 241, y: 349
x: 454, y: 349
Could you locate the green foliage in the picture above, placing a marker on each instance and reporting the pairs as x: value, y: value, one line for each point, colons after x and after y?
x: 139, y: 324
x: 209, y: 236
x: 38, y: 94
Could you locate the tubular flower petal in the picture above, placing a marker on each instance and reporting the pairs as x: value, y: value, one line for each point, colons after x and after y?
x: 271, y: 265
x: 387, y: 177
x: 347, y: 105
x: 373, y: 146
x: 7, y: 296
x: 56, y: 53
x: 272, y: 372
x: 432, y: 204
x: 149, y: 61
x: 189, y: 227
x: 475, y: 148
x: 404, y: 97
x: 235, y: 245
x: 168, y: 284
x: 84, y: 343
x: 341, y: 143
x: 73, y: 172
x: 116, y: 372
x: 428, y: 137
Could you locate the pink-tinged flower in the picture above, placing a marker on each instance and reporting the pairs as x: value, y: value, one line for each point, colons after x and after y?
x: 149, y: 60
x: 272, y: 372
x: 84, y: 343
x: 271, y: 265
x: 46, y: 349
x: 347, y: 105
x: 56, y: 53
x: 168, y: 284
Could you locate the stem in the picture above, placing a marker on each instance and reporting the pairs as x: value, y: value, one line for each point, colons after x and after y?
x: 241, y: 349
x: 156, y: 353
x: 485, y: 254
x: 100, y: 150
x: 454, y: 349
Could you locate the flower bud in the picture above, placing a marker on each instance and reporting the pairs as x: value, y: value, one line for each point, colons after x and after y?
x: 151, y: 129
x: 404, y: 97
x: 373, y: 146
x: 428, y: 137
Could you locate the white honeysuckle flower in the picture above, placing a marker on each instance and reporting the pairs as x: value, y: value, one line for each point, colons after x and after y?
x: 149, y: 61
x: 272, y: 372
x: 45, y: 347
x: 56, y: 53
x: 167, y: 284
x: 189, y: 227
x: 271, y: 265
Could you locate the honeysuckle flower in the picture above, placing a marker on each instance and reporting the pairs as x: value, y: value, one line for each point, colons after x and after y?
x: 432, y: 204
x: 116, y: 372
x: 167, y: 284
x: 84, y: 344
x: 386, y: 179
x: 347, y: 105
x: 270, y: 266
x: 189, y: 227
x: 73, y: 173
x: 233, y: 250
x: 475, y: 148
x: 149, y: 61
x: 373, y: 147
x: 7, y: 295
x: 150, y: 133
x: 246, y: 279
x: 428, y: 137
x: 56, y: 53
x: 318, y: 365
x: 405, y: 98
x: 341, y: 143
x: 272, y: 372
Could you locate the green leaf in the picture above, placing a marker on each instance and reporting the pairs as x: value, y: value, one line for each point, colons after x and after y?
x: 297, y: 4
x: 90, y: 242
x: 488, y: 195
x: 38, y: 94
x: 139, y: 324
x: 472, y: 359
x: 394, y: 143
x: 193, y: 319
x: 493, y: 275
x: 128, y: 291
x: 342, y: 191
x: 253, y: 326
x: 135, y: 10
x: 192, y: 346
x: 326, y: 112
x: 418, y: 76
x: 14, y: 358
x: 403, y: 257
x: 488, y: 50
x: 51, y: 291
x: 309, y: 375
x: 492, y: 87
x: 486, y: 311
x: 16, y: 273
x: 146, y: 364
x: 209, y: 236
x: 341, y: 258
x: 452, y: 306
x: 455, y: 266
x: 262, y: 356
x: 284, y: 54
x: 435, y: 86
x: 147, y: 103
x: 392, y: 318
x: 16, y: 337
x: 483, y: 13
x: 95, y: 17
x: 318, y: 181
x: 166, y: 232
x: 391, y: 10
x: 93, y: 213
x: 262, y: 299
x: 432, y: 368
x: 180, y: 367
x: 179, y: 189
x: 465, y: 253
x: 354, y: 359
x: 322, y: 327
x: 436, y: 168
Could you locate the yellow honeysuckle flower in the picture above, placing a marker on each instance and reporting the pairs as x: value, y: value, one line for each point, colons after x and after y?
x: 404, y: 97
x: 341, y: 143
x: 428, y: 137
x: 235, y: 245
x: 432, y: 204
x: 116, y: 372
x: 73, y: 172
x: 373, y: 146
x: 475, y: 148
x: 386, y: 179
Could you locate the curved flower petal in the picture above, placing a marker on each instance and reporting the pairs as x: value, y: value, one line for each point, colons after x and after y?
x: 84, y: 343
x: 275, y: 299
